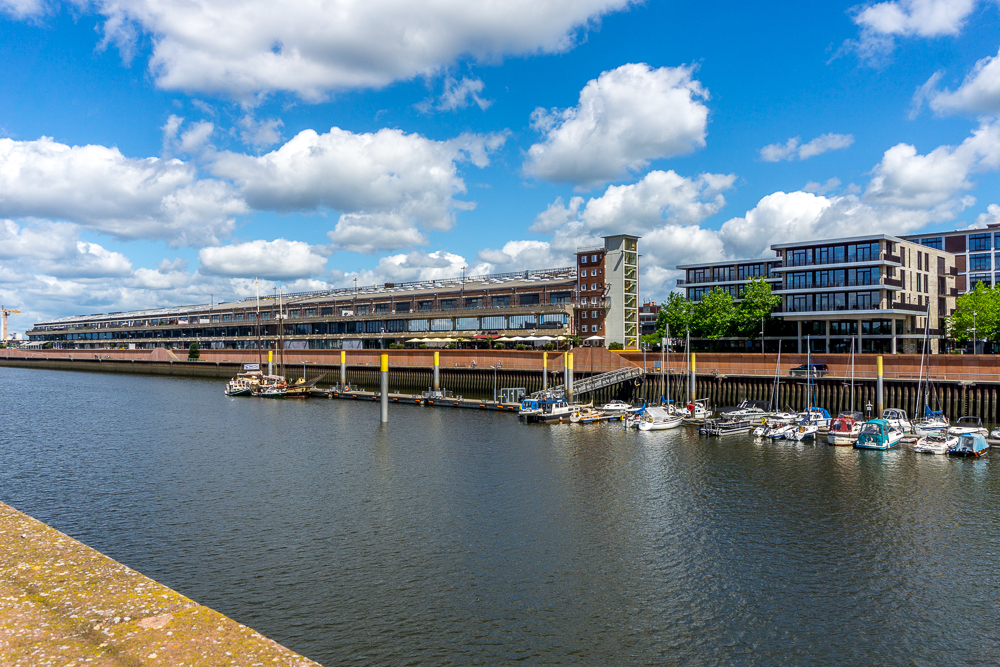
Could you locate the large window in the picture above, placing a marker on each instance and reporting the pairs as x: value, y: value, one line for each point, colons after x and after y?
x: 980, y: 262
x: 494, y: 323
x: 417, y: 325
x: 441, y: 325
x: 862, y: 252
x: 831, y: 301
x: 799, y: 257
x: 474, y: 302
x: 980, y: 242
x: 403, y: 307
x: 382, y: 307
x: 449, y: 304
x: 799, y: 280
x: 862, y: 276
x: 500, y: 302
x: 862, y: 300
x: 528, y: 299
x: 556, y: 298
x: 424, y: 306
x: 935, y: 242
x: 746, y: 271
x: 467, y: 324
x: 521, y: 322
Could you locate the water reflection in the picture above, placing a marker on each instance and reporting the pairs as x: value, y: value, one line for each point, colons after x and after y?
x: 454, y: 536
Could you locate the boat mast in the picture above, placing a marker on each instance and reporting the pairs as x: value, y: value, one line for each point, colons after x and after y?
x: 687, y: 366
x: 777, y: 379
x: 808, y: 372
x: 852, y: 375
x: 923, y: 353
x: 665, y: 349
x: 260, y: 353
x: 281, y: 336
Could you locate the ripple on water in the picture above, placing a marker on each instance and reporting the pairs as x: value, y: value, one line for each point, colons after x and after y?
x: 463, y: 537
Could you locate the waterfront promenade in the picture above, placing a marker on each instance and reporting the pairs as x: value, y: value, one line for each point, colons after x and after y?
x: 63, y: 603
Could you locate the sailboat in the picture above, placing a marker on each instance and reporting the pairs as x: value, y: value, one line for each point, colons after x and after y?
x: 846, y: 428
x: 932, y: 423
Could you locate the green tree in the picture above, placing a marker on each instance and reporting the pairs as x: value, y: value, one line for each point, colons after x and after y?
x: 980, y: 309
x: 193, y: 351
x: 713, y: 315
x: 757, y: 305
x: 677, y: 312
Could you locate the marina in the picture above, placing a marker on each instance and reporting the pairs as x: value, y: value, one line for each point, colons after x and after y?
x: 468, y: 533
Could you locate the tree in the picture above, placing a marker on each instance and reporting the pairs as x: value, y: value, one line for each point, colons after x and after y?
x: 713, y: 315
x: 677, y: 312
x: 193, y: 351
x: 979, y: 309
x: 757, y: 305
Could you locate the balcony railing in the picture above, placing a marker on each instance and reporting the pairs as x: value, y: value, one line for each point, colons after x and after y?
x: 840, y: 283
x: 847, y: 259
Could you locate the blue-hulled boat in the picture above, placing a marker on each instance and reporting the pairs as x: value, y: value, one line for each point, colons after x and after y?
x: 970, y: 444
x: 878, y: 434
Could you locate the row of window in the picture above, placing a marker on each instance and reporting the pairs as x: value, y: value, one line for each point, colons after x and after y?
x: 834, y: 254
x: 593, y: 259
x: 593, y: 328
x: 850, y: 327
x: 593, y: 272
x: 489, y: 323
x: 803, y: 303
x: 832, y: 278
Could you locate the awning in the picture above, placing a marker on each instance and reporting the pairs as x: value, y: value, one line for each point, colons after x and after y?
x: 594, y: 338
x: 502, y: 339
x: 416, y: 340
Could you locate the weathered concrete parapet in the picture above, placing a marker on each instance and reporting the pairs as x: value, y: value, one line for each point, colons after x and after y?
x: 63, y: 603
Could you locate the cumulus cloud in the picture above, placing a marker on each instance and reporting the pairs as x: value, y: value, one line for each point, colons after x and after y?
x: 99, y: 188
x: 792, y: 149
x: 527, y: 254
x: 624, y: 118
x: 368, y: 233
x: 275, y: 260
x: 990, y: 217
x: 882, y: 22
x: 260, y: 133
x: 22, y: 9
x: 247, y: 48
x: 388, y: 171
x: 978, y: 94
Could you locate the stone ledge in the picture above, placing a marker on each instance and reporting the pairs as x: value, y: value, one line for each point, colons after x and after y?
x: 63, y: 603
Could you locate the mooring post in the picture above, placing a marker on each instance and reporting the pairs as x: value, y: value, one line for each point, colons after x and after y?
x: 879, y: 393
x: 569, y: 377
x: 545, y: 370
x: 343, y: 369
x: 385, y: 388
x: 691, y: 382
x: 437, y: 371
x: 270, y: 361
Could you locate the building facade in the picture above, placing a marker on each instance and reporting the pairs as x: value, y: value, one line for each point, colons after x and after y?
x: 622, y: 271
x: 648, y: 313
x: 732, y: 276
x: 876, y: 292
x: 592, y: 291
x: 520, y: 303
x: 976, y: 251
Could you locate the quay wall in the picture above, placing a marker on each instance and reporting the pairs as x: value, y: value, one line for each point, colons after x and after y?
x: 961, y: 385
x: 63, y: 603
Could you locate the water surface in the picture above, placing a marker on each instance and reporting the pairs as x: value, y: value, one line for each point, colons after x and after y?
x: 454, y: 536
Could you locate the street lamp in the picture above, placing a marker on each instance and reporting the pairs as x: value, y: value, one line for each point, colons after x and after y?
x: 495, y: 381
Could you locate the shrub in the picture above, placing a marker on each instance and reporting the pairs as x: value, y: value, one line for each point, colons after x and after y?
x: 520, y: 346
x: 193, y: 352
x: 615, y: 346
x: 549, y: 347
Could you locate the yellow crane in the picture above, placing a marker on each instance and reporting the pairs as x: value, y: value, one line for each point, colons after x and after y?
x: 3, y: 330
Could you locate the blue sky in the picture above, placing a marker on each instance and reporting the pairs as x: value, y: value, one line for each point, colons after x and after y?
x: 159, y: 152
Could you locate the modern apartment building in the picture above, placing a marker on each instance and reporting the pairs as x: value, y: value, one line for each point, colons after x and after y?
x: 731, y: 276
x: 877, y: 291
x: 977, y: 254
x: 648, y: 313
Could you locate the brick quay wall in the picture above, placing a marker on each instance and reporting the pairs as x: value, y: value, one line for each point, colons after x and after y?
x: 961, y: 384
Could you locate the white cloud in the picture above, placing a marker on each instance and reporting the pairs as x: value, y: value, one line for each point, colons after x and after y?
x: 22, y: 9
x: 882, y: 22
x: 370, y: 232
x: 979, y: 93
x: 822, y: 188
x: 460, y: 94
x: 260, y: 133
x: 245, y: 48
x: 388, y: 171
x: 990, y: 217
x: 792, y: 149
x: 625, y: 118
x: 99, y: 188
x: 523, y: 255
x: 414, y: 265
x: 275, y: 260
x: 55, y: 249
x: 905, y: 178
x: 660, y: 197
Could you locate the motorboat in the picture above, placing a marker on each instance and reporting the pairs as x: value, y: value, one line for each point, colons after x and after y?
x: 767, y: 428
x: 844, y: 430
x: 968, y: 424
x: 878, y: 434
x: 696, y: 411
x: 753, y: 411
x: 898, y: 418
x: 616, y: 406
x: 995, y: 434
x: 933, y: 422
x: 658, y: 419
x: 970, y: 444
x: 585, y: 414
x: 557, y: 410
x: 270, y: 386
x: 272, y: 391
x: 244, y: 383
x: 816, y: 414
x: 782, y: 431
x: 728, y: 426
x: 806, y: 430
x: 937, y: 442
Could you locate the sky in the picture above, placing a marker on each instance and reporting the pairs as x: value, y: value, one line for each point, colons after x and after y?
x: 170, y: 152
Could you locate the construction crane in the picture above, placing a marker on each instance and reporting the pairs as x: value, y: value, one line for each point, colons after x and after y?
x: 3, y: 330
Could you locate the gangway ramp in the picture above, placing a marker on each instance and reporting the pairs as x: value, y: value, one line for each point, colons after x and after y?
x: 594, y: 383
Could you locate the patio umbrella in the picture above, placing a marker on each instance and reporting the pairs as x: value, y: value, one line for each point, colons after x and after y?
x: 594, y: 338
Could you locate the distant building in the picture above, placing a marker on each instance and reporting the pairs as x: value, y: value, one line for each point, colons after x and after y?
x: 647, y: 318
x: 731, y: 276
x: 608, y: 289
x: 976, y: 251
